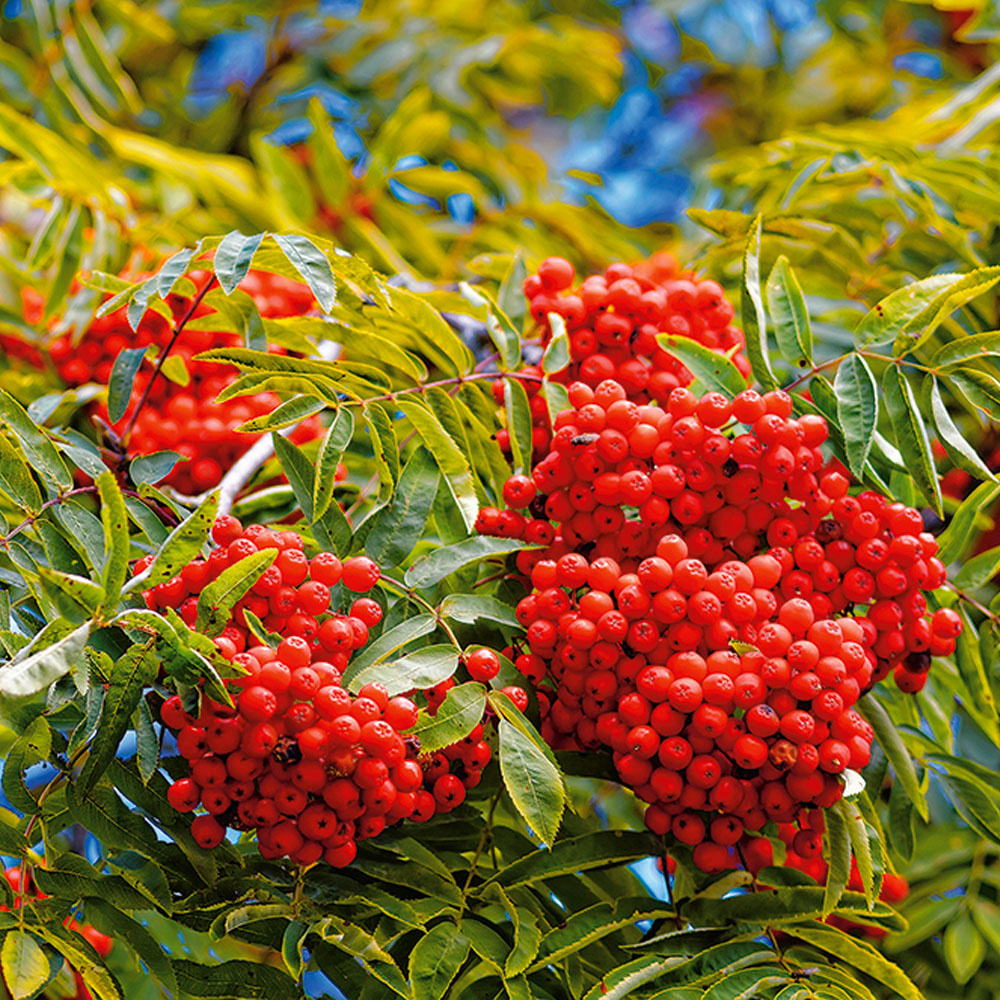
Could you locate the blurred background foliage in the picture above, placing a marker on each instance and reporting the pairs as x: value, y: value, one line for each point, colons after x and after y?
x: 437, y: 137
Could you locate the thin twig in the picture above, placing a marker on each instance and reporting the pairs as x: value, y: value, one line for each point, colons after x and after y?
x: 177, y: 331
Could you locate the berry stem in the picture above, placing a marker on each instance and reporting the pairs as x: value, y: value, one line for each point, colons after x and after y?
x: 436, y: 612
x: 177, y: 331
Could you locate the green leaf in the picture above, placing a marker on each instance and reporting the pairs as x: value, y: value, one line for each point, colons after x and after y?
x: 952, y: 542
x: 963, y: 454
x: 449, y: 456
x: 789, y: 315
x: 435, y: 961
x: 460, y: 711
x: 387, y: 644
x: 153, y: 468
x: 895, y: 314
x: 183, y: 544
x: 556, y: 356
x: 577, y: 854
x: 957, y: 293
x: 745, y: 983
x: 442, y: 562
x: 35, y: 671
x: 838, y: 858
x: 968, y: 348
x: 400, y: 524
x: 236, y: 979
x: 518, y: 423
x: 122, y: 379
x: 217, y: 600
x: 754, y: 320
x: 857, y: 409
x: 114, y: 518
x: 131, y: 673
x: 118, y: 925
x: 499, y: 325
x: 423, y: 668
x: 978, y: 570
x: 527, y: 938
x: 16, y: 479
x: 31, y: 747
x: 147, y: 753
x: 964, y: 948
x: 25, y: 967
x: 713, y: 370
x: 288, y: 414
x: 336, y: 439
x: 987, y: 918
x: 859, y: 955
x: 384, y: 446
x: 532, y: 781
x: 38, y: 447
x: 312, y: 264
x: 911, y: 434
x: 472, y: 608
x: 857, y: 832
x: 892, y: 745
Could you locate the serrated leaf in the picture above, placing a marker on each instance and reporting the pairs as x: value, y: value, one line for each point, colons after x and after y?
x: 313, y: 265
x: 287, y: 414
x: 963, y: 454
x: 25, y: 967
x: 456, y: 716
x: 388, y: 642
x: 435, y: 961
x: 114, y: 519
x: 953, y: 541
x: 754, y: 320
x: 153, y: 468
x: 857, y: 833
x: 746, y: 983
x: 442, y: 562
x: 472, y: 608
x: 423, y: 668
x: 577, y: 854
x: 857, y: 409
x: 713, y: 370
x: 122, y: 379
x: 527, y: 938
x: 893, y: 747
x: 978, y: 570
x: 838, y: 858
x: 894, y: 314
x: 336, y: 439
x: 519, y: 424
x: 184, y: 543
x: 449, y: 457
x: 38, y: 447
x: 532, y: 781
x: 400, y: 524
x: 858, y: 955
x: 557, y: 355
x: 16, y: 480
x: 964, y: 948
x: 235, y: 978
x: 789, y: 314
x: 147, y: 752
x: 957, y: 293
x: 217, y: 600
x: 121, y: 926
x: 131, y: 673
x: 37, y: 670
x: 911, y: 434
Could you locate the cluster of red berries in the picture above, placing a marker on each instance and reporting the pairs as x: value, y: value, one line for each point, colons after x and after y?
x: 300, y: 760
x: 612, y: 321
x: 695, y: 604
x: 101, y: 942
x: 185, y: 419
